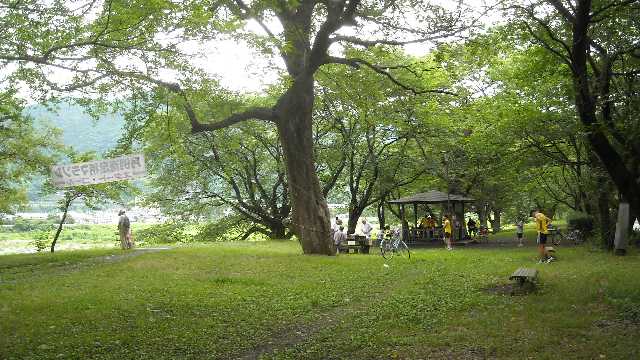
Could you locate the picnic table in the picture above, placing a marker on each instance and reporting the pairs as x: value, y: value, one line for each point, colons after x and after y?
x: 356, y: 244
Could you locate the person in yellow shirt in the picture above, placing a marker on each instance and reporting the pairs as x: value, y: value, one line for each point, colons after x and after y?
x: 446, y: 225
x: 431, y: 226
x: 424, y: 225
x: 542, y: 227
x: 424, y: 221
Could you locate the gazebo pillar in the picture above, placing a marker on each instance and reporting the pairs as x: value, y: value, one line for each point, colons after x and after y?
x: 463, y: 223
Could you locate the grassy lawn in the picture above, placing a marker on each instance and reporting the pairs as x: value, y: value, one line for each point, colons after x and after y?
x: 73, y: 237
x: 241, y: 300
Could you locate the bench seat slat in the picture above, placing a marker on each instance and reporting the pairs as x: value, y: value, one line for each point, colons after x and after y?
x: 524, y: 273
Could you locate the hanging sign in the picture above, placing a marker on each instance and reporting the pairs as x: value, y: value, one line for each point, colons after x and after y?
x: 99, y: 171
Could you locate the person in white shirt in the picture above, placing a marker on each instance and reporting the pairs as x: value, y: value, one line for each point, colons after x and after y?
x: 519, y: 231
x: 338, y: 238
x: 366, y: 229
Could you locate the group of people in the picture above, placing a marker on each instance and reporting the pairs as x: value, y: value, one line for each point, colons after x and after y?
x: 339, y: 235
x: 427, y: 223
x: 428, y: 227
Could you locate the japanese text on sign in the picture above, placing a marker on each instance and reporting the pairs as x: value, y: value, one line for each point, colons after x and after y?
x: 99, y: 171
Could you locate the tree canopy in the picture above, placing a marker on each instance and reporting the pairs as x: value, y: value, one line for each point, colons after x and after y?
x: 537, y: 111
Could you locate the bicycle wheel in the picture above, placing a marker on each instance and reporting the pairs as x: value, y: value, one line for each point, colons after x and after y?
x: 403, y: 250
x: 386, y: 249
x: 575, y: 237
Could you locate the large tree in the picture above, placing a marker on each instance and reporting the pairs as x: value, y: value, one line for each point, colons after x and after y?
x: 137, y: 40
x: 599, y: 42
x: 199, y: 177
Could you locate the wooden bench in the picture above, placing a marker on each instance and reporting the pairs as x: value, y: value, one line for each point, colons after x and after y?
x: 523, y: 275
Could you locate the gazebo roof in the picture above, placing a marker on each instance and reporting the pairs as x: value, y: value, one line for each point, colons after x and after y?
x: 431, y: 197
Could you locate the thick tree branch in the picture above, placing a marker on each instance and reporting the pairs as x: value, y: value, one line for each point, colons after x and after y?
x: 369, y: 43
x: 602, y: 10
x: 566, y: 13
x: 357, y: 63
x: 544, y: 44
x: 338, y: 12
x: 258, y: 113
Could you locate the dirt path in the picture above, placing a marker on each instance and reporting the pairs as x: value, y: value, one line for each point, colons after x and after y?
x: 301, y: 332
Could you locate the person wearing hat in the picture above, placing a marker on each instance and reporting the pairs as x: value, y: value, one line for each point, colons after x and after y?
x: 124, y: 229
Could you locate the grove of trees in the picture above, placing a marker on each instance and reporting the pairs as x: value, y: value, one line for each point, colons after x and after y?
x: 518, y: 104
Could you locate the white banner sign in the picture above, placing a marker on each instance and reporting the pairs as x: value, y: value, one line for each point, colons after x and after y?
x: 99, y: 171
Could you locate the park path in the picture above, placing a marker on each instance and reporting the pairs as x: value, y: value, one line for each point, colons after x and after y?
x: 134, y: 253
x: 300, y: 333
x: 13, y: 274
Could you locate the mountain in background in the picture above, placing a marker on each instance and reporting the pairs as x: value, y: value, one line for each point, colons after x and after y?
x: 79, y: 129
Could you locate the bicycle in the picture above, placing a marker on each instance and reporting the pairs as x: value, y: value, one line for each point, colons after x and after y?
x: 572, y: 236
x: 394, y: 245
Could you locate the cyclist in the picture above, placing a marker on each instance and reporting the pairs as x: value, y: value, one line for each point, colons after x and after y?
x: 542, y: 227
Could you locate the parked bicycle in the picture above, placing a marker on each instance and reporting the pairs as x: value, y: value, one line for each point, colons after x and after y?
x: 394, y: 245
x: 572, y: 237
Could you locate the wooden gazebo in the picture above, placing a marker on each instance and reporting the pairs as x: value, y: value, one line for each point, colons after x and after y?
x: 452, y: 202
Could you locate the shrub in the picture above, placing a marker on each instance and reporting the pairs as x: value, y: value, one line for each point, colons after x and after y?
x: 229, y: 228
x: 41, y: 240
x: 580, y: 221
x: 55, y: 218
x: 26, y: 225
x: 163, y: 234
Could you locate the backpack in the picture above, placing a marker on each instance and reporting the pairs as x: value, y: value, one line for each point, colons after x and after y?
x: 124, y: 222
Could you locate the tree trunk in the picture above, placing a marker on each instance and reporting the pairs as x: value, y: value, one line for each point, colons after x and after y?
x: 354, y: 214
x: 59, y: 230
x: 482, y: 215
x: 381, y: 216
x: 632, y: 220
x: 622, y: 226
x: 277, y: 230
x: 310, y: 215
x: 604, y: 214
x: 613, y: 162
x: 495, y: 222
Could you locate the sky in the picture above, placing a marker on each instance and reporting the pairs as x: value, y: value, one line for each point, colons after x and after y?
x: 241, y: 68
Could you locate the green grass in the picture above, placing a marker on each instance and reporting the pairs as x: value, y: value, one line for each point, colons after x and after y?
x: 72, y: 237
x: 226, y: 300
